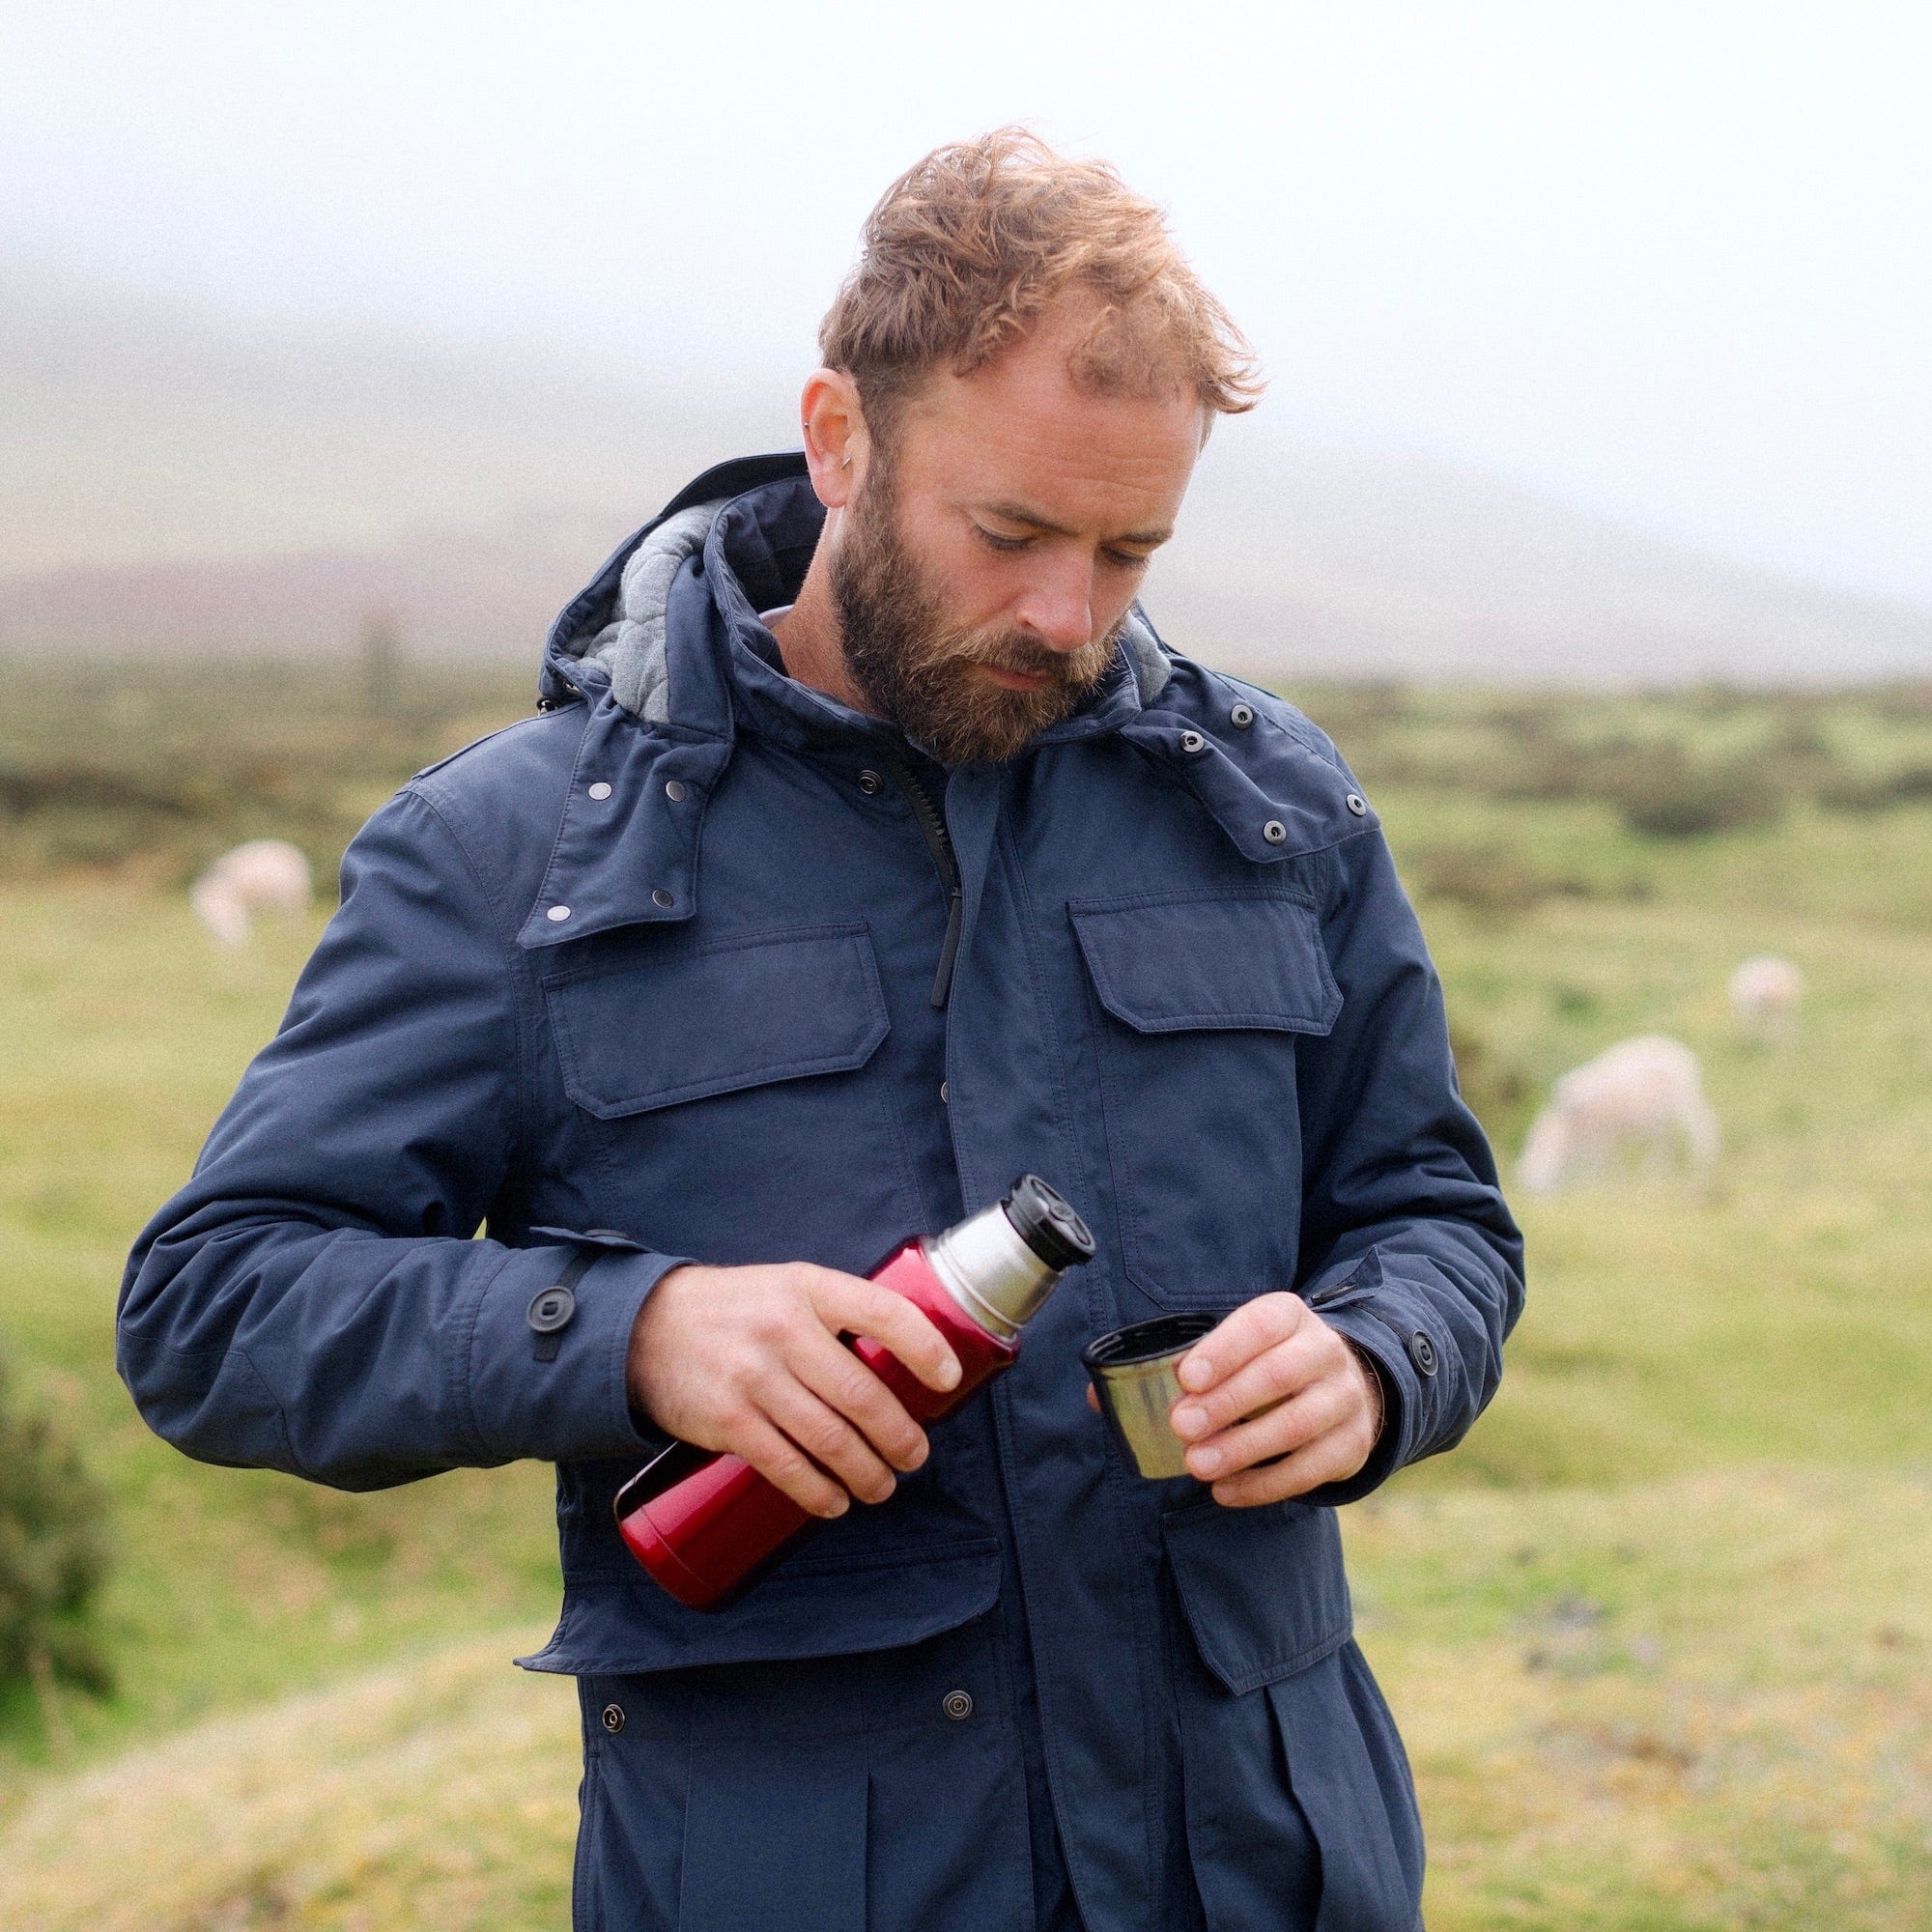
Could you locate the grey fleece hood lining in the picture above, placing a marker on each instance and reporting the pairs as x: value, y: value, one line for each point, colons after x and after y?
x: 631, y: 646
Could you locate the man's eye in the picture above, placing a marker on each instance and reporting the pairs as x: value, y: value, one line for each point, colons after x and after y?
x: 1126, y: 560
x: 1004, y: 545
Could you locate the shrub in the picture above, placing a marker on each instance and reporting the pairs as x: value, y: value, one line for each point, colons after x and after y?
x: 1910, y: 700
x: 163, y: 763
x: 1494, y: 1090
x: 1845, y: 792
x: 54, y: 1554
x: 1487, y: 880
x: 1664, y: 794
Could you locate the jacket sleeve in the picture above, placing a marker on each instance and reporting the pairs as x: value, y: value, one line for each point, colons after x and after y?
x: 313, y: 1301
x: 1407, y: 1246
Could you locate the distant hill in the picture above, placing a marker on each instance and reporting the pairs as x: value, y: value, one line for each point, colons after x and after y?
x: 174, y: 481
x: 488, y: 593
x: 1336, y: 560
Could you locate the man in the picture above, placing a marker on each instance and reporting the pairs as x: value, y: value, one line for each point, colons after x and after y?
x: 869, y: 850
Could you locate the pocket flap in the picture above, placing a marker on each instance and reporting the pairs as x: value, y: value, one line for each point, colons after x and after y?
x: 625, y: 1626
x: 1176, y: 963
x: 635, y: 1034
x: 1263, y: 1589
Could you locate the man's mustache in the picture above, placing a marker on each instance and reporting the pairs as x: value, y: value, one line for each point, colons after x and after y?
x: 1029, y: 660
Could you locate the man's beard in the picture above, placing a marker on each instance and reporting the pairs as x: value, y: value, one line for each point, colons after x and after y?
x: 916, y: 671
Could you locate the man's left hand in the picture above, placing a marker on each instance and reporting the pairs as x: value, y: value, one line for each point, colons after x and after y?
x: 1278, y: 1402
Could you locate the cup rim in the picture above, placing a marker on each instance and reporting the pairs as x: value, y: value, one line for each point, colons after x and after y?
x: 1140, y: 1343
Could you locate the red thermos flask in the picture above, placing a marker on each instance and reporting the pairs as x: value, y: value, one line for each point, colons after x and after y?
x: 701, y: 1521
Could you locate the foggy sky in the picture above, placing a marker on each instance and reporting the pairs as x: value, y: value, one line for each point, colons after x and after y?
x: 1669, y: 260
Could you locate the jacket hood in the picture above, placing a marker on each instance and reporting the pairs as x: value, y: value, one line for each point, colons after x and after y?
x: 588, y: 646
x: 616, y: 628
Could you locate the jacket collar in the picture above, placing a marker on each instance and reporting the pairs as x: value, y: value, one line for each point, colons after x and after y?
x: 665, y: 647
x: 1258, y: 769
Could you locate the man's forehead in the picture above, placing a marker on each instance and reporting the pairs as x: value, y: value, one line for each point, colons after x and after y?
x: 1053, y: 457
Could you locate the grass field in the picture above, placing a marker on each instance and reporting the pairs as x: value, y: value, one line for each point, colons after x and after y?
x: 1658, y: 1635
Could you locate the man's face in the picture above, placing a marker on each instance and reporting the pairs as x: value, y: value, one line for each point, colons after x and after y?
x: 989, y: 558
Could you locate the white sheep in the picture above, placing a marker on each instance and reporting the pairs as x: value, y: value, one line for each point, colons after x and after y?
x: 1644, y: 1094
x: 1765, y: 995
x: 265, y: 875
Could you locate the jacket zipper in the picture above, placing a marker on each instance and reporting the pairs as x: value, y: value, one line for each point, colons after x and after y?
x: 939, y: 842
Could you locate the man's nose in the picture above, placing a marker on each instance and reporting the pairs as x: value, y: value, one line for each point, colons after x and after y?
x: 1058, y: 607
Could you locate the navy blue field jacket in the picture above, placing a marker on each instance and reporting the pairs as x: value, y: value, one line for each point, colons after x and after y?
x: 656, y: 975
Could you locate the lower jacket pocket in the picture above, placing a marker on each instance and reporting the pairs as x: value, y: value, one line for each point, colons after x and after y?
x: 1263, y: 1590
x: 1300, y: 1809
x: 775, y: 1837
x: 1350, y: 1777
x: 879, y: 1792
x: 1251, y: 1847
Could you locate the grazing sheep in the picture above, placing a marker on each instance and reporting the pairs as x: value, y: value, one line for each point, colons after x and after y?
x: 1765, y: 995
x: 265, y: 875
x: 1644, y: 1093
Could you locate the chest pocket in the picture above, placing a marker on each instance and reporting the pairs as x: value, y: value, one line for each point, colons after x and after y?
x: 728, y: 1080
x: 1202, y: 998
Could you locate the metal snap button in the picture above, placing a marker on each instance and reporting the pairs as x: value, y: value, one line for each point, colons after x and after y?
x: 558, y: 914
x: 600, y: 790
x: 1422, y: 1352
x: 662, y: 899
x: 957, y: 1705
x: 1192, y: 742
x: 1358, y: 804
x: 674, y: 789
x: 552, y: 1310
x: 1275, y: 832
x: 869, y: 782
x: 1241, y: 717
x: 612, y: 1719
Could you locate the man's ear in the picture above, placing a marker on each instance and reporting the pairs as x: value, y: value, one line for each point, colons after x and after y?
x: 836, y: 443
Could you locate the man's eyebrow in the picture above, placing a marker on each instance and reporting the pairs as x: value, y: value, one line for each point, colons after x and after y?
x: 1018, y: 512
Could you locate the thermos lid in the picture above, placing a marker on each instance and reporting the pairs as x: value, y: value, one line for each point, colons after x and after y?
x: 1044, y: 1221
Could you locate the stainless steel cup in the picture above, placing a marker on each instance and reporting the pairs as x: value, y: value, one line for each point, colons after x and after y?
x: 1133, y: 1373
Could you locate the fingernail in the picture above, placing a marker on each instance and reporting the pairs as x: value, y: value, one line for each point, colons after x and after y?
x: 919, y: 1454
x: 1189, y: 1420
x: 1203, y: 1462
x: 949, y: 1375
x: 1194, y: 1373
x: 839, y: 1507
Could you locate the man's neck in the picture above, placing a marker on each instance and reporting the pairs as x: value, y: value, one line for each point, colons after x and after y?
x: 812, y: 642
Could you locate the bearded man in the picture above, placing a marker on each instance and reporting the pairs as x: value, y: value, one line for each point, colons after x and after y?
x: 869, y: 849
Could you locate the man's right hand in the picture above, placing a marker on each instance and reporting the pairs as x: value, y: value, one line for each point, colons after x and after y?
x: 749, y: 1359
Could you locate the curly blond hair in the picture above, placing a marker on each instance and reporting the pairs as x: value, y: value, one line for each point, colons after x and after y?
x: 971, y: 245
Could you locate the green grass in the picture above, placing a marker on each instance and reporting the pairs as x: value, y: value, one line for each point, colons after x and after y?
x: 1701, y: 1702
x: 1657, y: 1634
x: 1782, y: 1311
x: 122, y: 1032
x: 437, y: 1793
